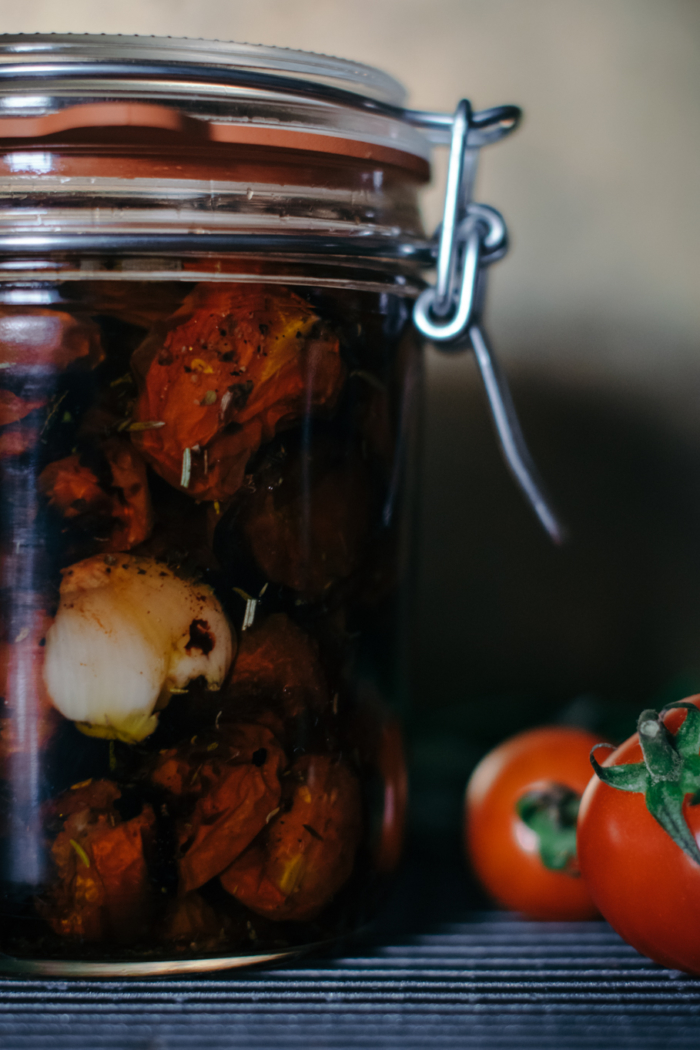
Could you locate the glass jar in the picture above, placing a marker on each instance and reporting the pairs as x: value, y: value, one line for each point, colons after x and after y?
x: 209, y: 378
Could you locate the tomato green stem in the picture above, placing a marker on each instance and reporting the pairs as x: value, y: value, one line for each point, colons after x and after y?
x: 670, y: 771
x: 551, y: 813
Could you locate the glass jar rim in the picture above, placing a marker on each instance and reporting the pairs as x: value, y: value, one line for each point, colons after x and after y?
x: 212, y: 81
x: 364, y: 80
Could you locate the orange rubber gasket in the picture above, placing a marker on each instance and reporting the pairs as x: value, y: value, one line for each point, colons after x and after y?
x: 141, y: 115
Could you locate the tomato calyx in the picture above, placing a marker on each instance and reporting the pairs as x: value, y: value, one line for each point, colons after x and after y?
x: 551, y: 812
x: 669, y: 772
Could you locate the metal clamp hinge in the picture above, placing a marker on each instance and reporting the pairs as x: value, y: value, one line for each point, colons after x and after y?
x: 470, y: 237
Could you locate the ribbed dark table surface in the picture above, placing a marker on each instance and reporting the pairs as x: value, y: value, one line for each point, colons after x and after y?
x: 494, y: 981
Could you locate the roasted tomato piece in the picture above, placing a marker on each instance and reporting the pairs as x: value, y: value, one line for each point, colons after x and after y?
x: 17, y: 439
x: 182, y: 530
x: 29, y: 719
x: 234, y: 777
x: 13, y: 408
x: 142, y: 304
x: 33, y: 348
x: 96, y: 796
x: 75, y: 490
x: 102, y: 891
x: 184, y: 772
x: 277, y: 669
x: 307, y: 521
x: 226, y: 819
x: 191, y: 924
x: 132, y: 511
x: 43, y: 342
x: 307, y: 852
x: 234, y: 364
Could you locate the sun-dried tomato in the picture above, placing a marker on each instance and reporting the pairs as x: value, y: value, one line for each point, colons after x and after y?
x: 43, y: 342
x: 182, y: 532
x: 307, y: 521
x: 34, y: 347
x: 234, y: 776
x: 17, y: 439
x: 234, y: 365
x: 185, y: 771
x: 74, y: 489
x: 14, y: 408
x: 140, y: 303
x: 134, y: 512
x: 308, y: 850
x: 277, y: 670
x: 91, y: 796
x: 191, y: 924
x: 102, y: 890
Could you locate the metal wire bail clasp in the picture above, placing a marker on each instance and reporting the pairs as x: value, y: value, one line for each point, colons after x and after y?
x: 471, y: 237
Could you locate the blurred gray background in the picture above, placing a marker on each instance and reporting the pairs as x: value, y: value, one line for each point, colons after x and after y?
x: 595, y: 313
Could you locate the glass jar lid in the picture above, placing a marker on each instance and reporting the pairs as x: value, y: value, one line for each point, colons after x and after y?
x: 246, y: 92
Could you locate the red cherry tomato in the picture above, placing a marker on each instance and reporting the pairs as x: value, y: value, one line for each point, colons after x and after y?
x: 520, y: 822
x: 642, y: 881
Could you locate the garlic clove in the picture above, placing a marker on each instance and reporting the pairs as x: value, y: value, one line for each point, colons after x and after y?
x: 129, y: 632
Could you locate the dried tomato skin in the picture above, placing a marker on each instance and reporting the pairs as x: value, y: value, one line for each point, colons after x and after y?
x: 133, y: 512
x: 14, y: 408
x: 18, y: 439
x: 308, y: 520
x: 102, y: 891
x: 234, y: 780
x: 44, y: 342
x: 224, y: 822
x: 277, y: 670
x: 72, y: 487
x: 235, y: 363
x: 35, y: 348
x: 192, y: 924
x: 207, y: 754
x: 74, y: 490
x: 307, y: 852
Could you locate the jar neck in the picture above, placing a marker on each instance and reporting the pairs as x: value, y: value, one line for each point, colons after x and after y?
x: 163, y: 202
